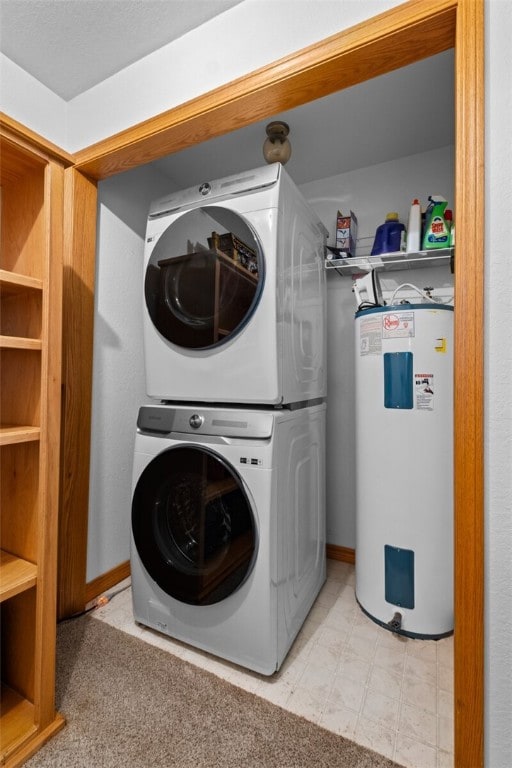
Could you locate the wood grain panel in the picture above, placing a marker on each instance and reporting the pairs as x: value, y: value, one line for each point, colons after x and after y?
x: 15, y: 757
x: 18, y: 342
x: 18, y: 642
x: 20, y: 375
x: 469, y: 373
x: 17, y: 575
x: 19, y: 161
x: 343, y: 554
x: 33, y: 141
x: 44, y: 656
x: 18, y: 718
x: 10, y: 435
x: 19, y: 499
x: 400, y: 36
x: 32, y: 214
x: 20, y: 312
x: 77, y: 344
x: 23, y: 225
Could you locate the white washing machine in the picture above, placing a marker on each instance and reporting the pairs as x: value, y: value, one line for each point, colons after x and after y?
x: 228, y: 527
x: 234, y: 293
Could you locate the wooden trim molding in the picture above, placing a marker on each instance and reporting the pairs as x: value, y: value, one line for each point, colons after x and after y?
x: 106, y: 581
x: 34, y: 744
x: 343, y: 554
x: 468, y: 387
x: 401, y: 36
x: 25, y: 135
x: 44, y: 652
x: 394, y: 39
x: 80, y: 197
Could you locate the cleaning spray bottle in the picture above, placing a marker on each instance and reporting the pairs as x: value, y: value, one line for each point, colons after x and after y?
x: 414, y: 227
x: 436, y: 234
x: 448, y: 217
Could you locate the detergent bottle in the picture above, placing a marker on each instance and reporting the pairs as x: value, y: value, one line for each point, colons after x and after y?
x: 388, y: 235
x: 448, y: 217
x: 414, y: 227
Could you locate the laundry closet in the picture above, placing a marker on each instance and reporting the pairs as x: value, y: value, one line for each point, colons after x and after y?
x: 118, y: 380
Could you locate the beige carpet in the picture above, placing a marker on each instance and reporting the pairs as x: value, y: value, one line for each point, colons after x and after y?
x: 130, y: 705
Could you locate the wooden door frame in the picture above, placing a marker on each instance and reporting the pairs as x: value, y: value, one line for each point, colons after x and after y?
x: 396, y: 38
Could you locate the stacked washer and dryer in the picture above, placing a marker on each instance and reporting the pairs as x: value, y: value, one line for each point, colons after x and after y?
x: 228, y: 512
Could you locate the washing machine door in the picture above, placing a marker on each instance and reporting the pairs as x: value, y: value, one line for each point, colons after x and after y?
x: 204, y: 278
x: 193, y: 525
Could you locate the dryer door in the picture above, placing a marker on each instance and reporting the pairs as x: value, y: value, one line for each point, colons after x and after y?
x: 193, y: 525
x: 204, y: 278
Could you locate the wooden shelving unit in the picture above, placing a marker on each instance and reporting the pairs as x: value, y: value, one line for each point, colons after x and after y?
x: 32, y: 183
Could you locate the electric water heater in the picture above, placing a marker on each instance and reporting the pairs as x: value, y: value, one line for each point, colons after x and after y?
x: 404, y: 458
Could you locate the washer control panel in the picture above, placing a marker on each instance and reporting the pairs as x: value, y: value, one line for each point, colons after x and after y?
x: 221, y: 422
x: 196, y: 420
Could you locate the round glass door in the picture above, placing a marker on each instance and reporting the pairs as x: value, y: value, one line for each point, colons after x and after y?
x: 204, y: 278
x: 193, y: 525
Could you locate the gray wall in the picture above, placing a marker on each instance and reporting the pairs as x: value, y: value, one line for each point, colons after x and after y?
x: 118, y: 363
x: 370, y: 193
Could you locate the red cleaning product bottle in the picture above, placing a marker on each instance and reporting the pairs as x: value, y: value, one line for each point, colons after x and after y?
x: 448, y: 218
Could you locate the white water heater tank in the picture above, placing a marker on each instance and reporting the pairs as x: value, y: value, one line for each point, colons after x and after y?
x: 404, y: 459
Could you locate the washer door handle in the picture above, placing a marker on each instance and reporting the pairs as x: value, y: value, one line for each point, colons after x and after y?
x: 195, y: 421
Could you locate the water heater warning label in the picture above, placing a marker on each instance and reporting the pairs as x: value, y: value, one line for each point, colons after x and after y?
x: 370, y: 336
x: 398, y: 325
x: 424, y: 391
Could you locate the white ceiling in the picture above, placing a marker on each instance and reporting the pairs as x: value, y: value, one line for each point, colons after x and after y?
x: 70, y: 45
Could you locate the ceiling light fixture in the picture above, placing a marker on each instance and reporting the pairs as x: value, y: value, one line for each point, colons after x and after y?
x: 277, y: 148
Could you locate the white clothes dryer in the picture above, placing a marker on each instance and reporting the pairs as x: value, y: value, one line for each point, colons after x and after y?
x: 234, y: 293
x: 228, y: 527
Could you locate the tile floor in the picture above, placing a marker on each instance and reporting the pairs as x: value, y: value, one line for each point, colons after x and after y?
x: 390, y: 694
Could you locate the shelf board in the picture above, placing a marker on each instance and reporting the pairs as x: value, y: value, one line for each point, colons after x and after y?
x: 12, y: 283
x: 16, y: 575
x: 11, y: 434
x: 19, y: 342
x: 17, y: 721
x: 388, y: 262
